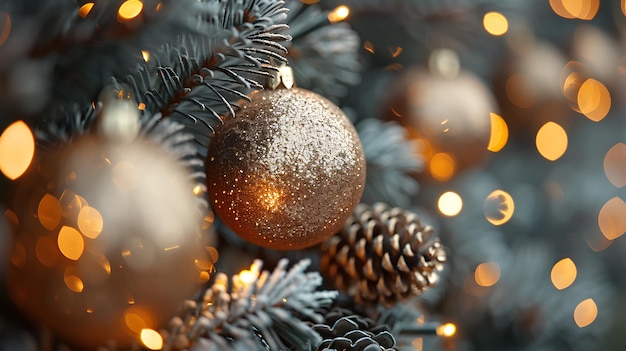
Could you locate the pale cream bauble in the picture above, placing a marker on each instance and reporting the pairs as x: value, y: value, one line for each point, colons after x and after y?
x: 108, y: 241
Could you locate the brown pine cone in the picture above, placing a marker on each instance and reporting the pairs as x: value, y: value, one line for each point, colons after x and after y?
x: 383, y: 255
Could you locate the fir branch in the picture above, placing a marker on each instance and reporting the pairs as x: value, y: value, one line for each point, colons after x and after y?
x: 260, y: 308
x: 323, y: 55
x: 392, y: 161
x: 202, y: 77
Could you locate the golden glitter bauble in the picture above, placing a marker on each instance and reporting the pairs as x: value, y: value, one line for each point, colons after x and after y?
x: 108, y: 241
x: 449, y: 114
x: 287, y: 171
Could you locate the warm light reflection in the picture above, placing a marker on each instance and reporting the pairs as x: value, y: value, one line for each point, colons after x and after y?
x: 84, y: 10
x: 73, y: 282
x: 551, y: 141
x: 450, y: 204
x: 46, y: 251
x: 594, y: 100
x: 520, y: 91
x: 615, y: 164
x: 624, y: 7
x: 585, y: 313
x: 597, y: 241
x: 418, y: 344
x: 339, y: 14
x: 90, y: 222
x: 134, y: 321
x: 487, y: 274
x: 49, y: 212
x: 572, y: 83
x: 197, y: 190
x: 146, y: 56
x: 447, y: 330
x: 5, y: 27
x: 499, y: 207
x: 559, y: 9
x: 71, y: 243
x: 129, y: 9
x: 582, y: 9
x: 71, y: 203
x: 17, y: 148
x: 611, y: 219
x: 151, y: 339
x: 441, y: 166
x: 499, y: 133
x: 563, y: 273
x: 495, y: 23
x: 270, y: 197
x: 247, y: 277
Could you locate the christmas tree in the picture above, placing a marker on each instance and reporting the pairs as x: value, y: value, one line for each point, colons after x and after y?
x: 312, y: 175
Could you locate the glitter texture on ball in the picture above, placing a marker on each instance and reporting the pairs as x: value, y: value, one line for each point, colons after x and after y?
x: 287, y: 170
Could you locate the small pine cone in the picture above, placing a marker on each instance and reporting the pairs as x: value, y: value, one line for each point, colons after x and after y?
x: 343, y: 330
x: 383, y: 255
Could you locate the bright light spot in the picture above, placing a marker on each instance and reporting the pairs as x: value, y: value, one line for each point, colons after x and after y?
x: 90, y: 222
x: 495, y: 23
x: 17, y: 148
x: 339, y: 14
x: 197, y: 190
x: 84, y: 10
x: 594, y: 100
x: 204, y: 277
x: 49, y: 212
x: 151, y: 339
x: 585, y: 313
x: 447, y: 330
x: 559, y: 9
x: 46, y: 251
x: 499, y: 207
x: 520, y: 91
x: 5, y: 27
x: 418, y: 344
x: 146, y: 55
x: 487, y: 274
x: 499, y: 133
x: 441, y: 166
x: 247, y: 277
x: 573, y: 77
x: 582, y: 9
x: 70, y: 243
x: 615, y: 164
x: 73, y: 282
x: 450, y: 204
x: 611, y: 219
x: 134, y: 321
x: 563, y: 273
x: 203, y: 264
x: 551, y: 141
x: 624, y: 7
x: 129, y: 10
x: 597, y: 241
x: 270, y: 197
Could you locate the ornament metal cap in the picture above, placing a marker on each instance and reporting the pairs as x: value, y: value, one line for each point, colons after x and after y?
x: 283, y: 76
x: 118, y: 118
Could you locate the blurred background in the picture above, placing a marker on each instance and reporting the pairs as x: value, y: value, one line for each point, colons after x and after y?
x: 500, y: 122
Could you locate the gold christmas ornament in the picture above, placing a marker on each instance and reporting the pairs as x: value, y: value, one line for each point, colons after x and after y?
x: 108, y: 241
x: 447, y: 109
x: 287, y: 170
